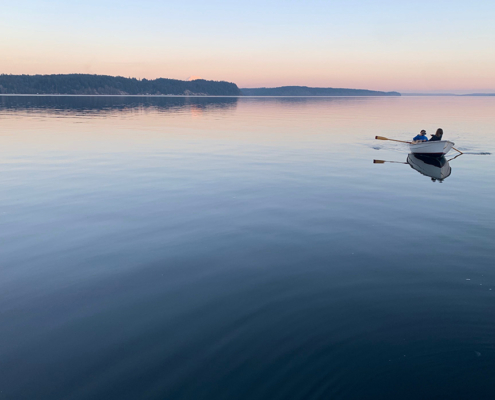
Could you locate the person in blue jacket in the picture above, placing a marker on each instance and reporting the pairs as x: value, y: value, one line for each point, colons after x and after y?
x: 421, y: 137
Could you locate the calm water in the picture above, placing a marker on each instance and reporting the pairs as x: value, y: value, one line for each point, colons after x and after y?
x: 223, y: 248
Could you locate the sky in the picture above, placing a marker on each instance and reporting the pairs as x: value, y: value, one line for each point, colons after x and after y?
x: 413, y: 46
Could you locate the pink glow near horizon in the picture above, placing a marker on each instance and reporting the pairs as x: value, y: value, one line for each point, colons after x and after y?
x: 414, y: 77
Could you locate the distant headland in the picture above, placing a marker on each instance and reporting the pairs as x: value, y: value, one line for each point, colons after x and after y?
x: 313, y: 91
x: 85, y: 84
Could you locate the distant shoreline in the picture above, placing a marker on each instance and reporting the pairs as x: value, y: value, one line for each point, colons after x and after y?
x: 299, y: 91
x: 231, y: 96
x: 163, y: 95
x: 86, y: 84
x: 105, y: 85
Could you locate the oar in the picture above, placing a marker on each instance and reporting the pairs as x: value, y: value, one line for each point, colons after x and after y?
x: 383, y: 162
x: 453, y: 158
x: 384, y: 138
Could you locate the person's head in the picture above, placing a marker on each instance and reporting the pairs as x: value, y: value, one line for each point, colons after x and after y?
x: 423, y: 132
x: 439, y: 133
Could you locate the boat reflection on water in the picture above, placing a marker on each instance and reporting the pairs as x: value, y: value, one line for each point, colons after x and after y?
x: 436, y: 168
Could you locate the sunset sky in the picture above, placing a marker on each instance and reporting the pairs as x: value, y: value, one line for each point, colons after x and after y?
x: 414, y: 46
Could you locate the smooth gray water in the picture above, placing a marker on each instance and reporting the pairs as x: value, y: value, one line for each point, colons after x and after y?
x: 224, y: 248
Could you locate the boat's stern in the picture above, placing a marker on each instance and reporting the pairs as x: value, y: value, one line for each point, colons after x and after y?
x: 447, y: 146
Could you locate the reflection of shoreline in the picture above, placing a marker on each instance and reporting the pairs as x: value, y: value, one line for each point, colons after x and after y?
x: 107, y: 104
x: 74, y: 104
x: 314, y: 101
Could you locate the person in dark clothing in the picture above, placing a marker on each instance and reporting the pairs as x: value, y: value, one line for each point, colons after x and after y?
x: 437, y: 136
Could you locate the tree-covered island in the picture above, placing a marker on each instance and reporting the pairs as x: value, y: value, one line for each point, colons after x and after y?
x: 85, y: 84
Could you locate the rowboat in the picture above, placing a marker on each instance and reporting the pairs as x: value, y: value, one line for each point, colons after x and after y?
x: 437, y: 148
x: 437, y: 168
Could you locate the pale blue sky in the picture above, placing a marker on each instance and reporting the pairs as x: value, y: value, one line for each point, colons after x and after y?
x: 388, y: 45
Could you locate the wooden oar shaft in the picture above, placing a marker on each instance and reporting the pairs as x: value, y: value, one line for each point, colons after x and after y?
x: 383, y: 162
x: 393, y: 140
x: 453, y: 158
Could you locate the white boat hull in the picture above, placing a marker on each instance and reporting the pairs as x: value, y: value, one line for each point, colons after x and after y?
x: 433, y: 149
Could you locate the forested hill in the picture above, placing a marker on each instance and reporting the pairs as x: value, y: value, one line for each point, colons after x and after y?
x: 310, y: 91
x: 111, y: 85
